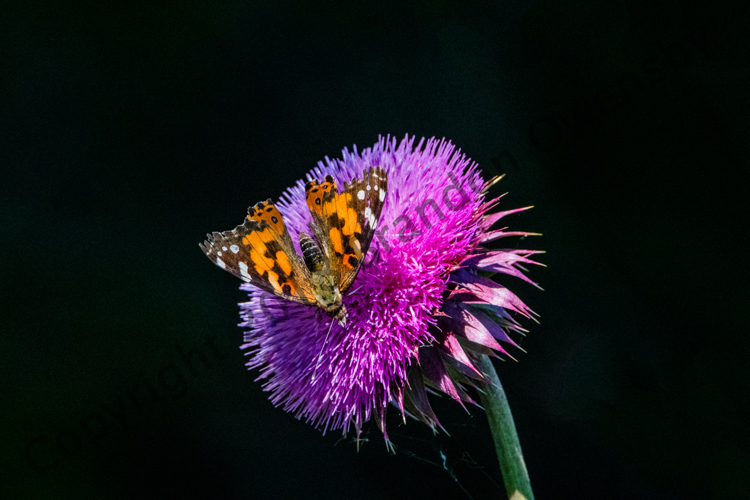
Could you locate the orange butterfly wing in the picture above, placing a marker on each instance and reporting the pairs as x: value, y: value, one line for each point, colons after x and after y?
x: 260, y: 252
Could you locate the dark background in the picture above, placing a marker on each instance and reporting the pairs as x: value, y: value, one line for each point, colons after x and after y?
x: 130, y: 129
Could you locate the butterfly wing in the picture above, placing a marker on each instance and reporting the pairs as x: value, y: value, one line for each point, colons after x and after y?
x: 260, y: 252
x: 347, y: 223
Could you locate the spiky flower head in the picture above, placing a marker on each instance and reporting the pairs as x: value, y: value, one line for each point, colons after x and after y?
x: 419, y: 313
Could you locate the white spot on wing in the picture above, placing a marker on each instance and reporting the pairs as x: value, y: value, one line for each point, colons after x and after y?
x: 373, y: 221
x: 224, y: 248
x: 235, y: 248
x: 382, y: 194
x: 218, y: 253
x: 361, y: 194
x: 221, y: 264
x: 243, y: 272
x: 368, y: 212
x: 368, y: 187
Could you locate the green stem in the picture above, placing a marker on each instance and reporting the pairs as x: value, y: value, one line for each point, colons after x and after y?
x: 512, y: 466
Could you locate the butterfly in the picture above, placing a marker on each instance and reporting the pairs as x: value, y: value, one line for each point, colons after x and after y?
x: 260, y: 251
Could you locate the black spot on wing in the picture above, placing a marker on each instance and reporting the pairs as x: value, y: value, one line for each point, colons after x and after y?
x: 353, y: 261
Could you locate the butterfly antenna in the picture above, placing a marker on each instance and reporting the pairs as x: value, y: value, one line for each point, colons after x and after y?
x: 317, y: 360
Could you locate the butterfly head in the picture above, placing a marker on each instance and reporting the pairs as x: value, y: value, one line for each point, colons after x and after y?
x: 327, y: 294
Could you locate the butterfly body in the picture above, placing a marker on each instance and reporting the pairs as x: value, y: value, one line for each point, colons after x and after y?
x: 260, y: 250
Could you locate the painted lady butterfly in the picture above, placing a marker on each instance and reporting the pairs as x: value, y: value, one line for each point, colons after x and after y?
x: 260, y: 251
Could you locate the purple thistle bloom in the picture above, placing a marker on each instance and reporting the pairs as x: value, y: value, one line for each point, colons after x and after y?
x: 418, y: 313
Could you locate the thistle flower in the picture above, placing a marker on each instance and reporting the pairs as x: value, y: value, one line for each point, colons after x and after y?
x: 419, y: 313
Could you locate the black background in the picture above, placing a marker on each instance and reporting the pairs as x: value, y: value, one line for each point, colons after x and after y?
x: 130, y: 129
